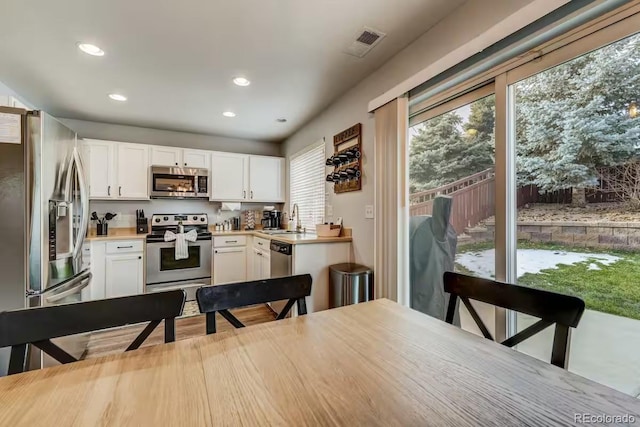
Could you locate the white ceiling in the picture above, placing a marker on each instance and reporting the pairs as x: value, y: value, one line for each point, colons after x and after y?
x: 175, y: 59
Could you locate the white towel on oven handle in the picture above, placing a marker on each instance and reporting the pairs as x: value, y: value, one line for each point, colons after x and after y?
x: 182, y: 247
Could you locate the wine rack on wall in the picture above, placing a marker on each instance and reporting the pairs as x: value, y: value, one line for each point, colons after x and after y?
x: 346, y: 160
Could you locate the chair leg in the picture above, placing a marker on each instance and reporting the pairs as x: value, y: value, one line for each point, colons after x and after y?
x: 302, y: 306
x: 18, y: 359
x: 211, y: 322
x: 560, y: 350
x: 170, y: 330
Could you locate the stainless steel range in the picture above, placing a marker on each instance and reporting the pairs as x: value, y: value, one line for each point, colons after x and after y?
x: 164, y: 271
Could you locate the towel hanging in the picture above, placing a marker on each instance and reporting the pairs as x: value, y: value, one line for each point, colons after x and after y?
x: 182, y: 247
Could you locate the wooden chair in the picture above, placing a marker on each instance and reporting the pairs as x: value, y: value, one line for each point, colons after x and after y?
x: 222, y: 298
x: 37, y: 326
x: 563, y: 310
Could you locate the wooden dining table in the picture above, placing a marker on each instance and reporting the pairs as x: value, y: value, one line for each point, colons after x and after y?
x: 375, y: 363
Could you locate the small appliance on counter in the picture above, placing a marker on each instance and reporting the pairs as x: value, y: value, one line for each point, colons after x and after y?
x: 271, y: 219
x: 142, y: 224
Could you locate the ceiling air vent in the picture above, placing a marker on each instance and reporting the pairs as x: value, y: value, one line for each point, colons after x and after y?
x: 365, y: 41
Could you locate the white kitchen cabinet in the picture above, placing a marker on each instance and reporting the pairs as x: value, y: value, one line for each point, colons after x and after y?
x: 229, y: 265
x: 229, y: 177
x: 101, y: 168
x: 133, y: 171
x: 260, y: 264
x: 124, y: 275
x: 266, y: 179
x: 166, y: 156
x: 196, y: 159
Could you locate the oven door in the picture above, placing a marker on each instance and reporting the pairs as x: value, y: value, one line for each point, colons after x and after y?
x: 162, y: 266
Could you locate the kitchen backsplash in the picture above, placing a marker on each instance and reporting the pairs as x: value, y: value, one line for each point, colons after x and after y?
x: 126, y: 210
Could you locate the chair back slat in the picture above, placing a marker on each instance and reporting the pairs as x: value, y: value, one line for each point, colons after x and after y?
x: 563, y: 310
x: 43, y: 323
x: 547, y: 305
x: 37, y: 326
x: 222, y: 298
x: 234, y: 295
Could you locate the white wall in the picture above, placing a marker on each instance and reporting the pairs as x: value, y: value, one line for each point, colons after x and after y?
x: 461, y: 26
x: 140, y: 135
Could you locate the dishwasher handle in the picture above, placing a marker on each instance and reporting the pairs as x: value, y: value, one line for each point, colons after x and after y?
x: 281, y: 247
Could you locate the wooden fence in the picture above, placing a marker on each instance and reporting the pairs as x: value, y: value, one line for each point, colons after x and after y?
x: 473, y: 200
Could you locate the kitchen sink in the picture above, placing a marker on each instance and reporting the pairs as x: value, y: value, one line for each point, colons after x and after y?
x: 273, y: 232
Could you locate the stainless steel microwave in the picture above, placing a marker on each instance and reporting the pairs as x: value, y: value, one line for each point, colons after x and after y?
x: 179, y: 183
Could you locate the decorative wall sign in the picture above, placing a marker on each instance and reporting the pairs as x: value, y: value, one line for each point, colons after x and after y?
x: 347, y: 160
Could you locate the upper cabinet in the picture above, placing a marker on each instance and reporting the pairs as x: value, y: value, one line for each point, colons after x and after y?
x: 100, y: 168
x: 229, y: 177
x: 172, y: 156
x: 196, y: 158
x: 166, y: 156
x: 133, y: 171
x: 244, y: 178
x: 117, y: 170
x: 120, y: 170
x: 266, y: 179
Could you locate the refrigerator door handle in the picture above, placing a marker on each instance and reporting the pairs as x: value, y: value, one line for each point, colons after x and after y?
x: 74, y: 290
x: 84, y: 201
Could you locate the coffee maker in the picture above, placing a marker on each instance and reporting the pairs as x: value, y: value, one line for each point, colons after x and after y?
x: 271, y: 220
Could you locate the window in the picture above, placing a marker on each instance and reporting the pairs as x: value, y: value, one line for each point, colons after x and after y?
x: 307, y: 185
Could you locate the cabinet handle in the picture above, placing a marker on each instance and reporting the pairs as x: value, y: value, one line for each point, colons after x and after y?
x: 252, y: 194
x: 231, y: 241
x: 139, y: 257
x: 176, y: 163
x: 185, y: 164
x: 125, y: 247
x: 244, y: 194
x: 120, y: 191
x: 260, y: 243
x: 259, y: 253
x: 109, y: 190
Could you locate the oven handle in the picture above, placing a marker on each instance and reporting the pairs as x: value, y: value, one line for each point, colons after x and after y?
x: 83, y: 283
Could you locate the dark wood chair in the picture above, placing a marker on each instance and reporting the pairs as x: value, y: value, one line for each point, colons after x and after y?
x: 37, y: 326
x: 563, y: 310
x: 222, y: 298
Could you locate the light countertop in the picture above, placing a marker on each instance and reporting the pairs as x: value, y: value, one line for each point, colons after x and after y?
x: 295, y: 239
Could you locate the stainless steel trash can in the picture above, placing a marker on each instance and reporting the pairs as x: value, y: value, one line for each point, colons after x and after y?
x: 349, y: 284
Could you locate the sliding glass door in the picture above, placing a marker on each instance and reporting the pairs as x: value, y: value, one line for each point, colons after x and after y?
x: 536, y: 168
x: 577, y: 153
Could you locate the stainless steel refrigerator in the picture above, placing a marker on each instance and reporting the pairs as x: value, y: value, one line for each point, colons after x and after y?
x: 43, y: 218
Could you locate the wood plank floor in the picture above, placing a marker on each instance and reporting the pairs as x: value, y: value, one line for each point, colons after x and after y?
x: 116, y: 340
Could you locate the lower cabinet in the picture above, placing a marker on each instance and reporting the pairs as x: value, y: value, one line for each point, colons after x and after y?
x: 229, y: 265
x: 260, y: 264
x: 124, y: 275
x: 117, y: 268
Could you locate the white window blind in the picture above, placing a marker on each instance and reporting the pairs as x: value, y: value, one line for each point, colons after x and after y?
x: 307, y: 185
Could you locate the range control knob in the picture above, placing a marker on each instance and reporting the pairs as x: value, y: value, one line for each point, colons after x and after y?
x: 202, y: 219
x: 195, y: 218
x: 157, y: 219
x: 166, y: 218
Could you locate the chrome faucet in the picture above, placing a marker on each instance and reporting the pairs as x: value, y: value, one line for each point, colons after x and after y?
x: 296, y: 212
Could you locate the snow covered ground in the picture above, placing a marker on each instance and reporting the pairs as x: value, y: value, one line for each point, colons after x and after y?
x: 482, y: 263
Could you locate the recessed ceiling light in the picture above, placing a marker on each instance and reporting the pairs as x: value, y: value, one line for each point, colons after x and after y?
x: 117, y: 97
x: 90, y: 49
x: 229, y: 114
x: 281, y: 120
x: 241, y: 81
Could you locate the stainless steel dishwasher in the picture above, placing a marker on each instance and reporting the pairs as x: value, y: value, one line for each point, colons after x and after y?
x: 281, y: 266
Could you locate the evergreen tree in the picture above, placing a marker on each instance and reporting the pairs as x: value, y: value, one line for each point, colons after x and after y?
x: 574, y: 118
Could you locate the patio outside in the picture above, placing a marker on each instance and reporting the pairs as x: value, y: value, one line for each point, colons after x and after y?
x: 578, y: 199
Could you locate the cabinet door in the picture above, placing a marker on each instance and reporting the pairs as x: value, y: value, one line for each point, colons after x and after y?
x: 101, y: 167
x: 229, y: 177
x: 133, y: 171
x: 166, y: 156
x: 266, y: 179
x: 196, y: 159
x: 229, y: 265
x: 265, y: 270
x: 256, y: 264
x: 124, y: 275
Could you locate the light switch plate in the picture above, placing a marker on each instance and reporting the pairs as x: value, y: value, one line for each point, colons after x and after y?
x: 329, y: 210
x: 368, y: 211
